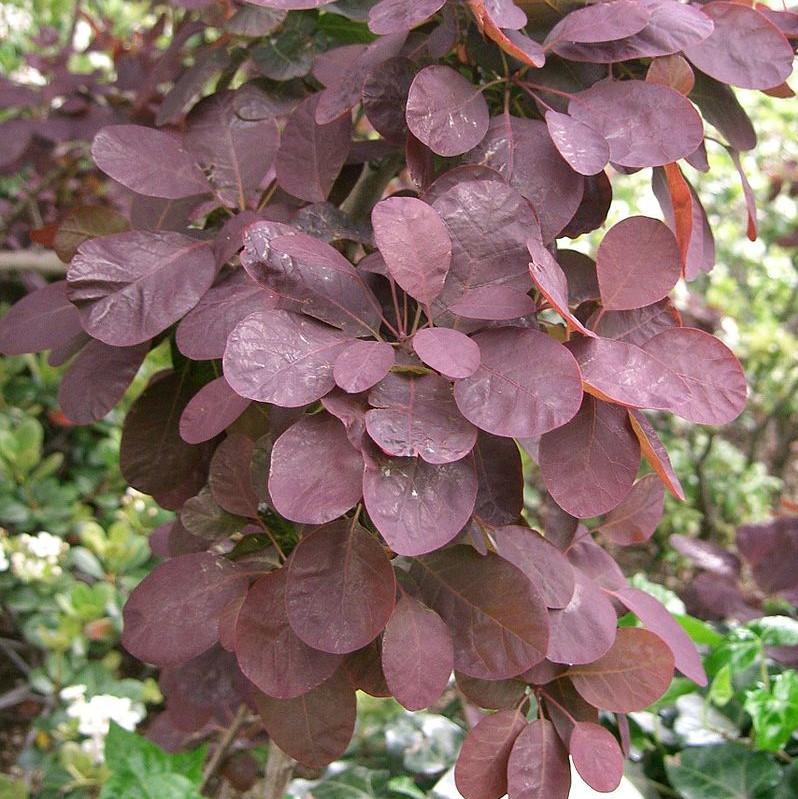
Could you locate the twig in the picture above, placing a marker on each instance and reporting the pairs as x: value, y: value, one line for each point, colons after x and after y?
x: 224, y: 745
x: 279, y: 770
x: 42, y: 261
x: 369, y: 187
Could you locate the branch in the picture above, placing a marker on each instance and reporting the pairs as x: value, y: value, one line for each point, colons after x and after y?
x: 221, y: 750
x: 368, y: 190
x: 42, y: 261
x: 279, y: 770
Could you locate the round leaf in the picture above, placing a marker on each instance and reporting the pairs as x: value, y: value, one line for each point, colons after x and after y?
x: 362, y: 364
x: 448, y: 351
x: 597, y: 756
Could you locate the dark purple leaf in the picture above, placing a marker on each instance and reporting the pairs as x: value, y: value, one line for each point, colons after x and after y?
x: 314, y: 728
x: 637, y: 263
x: 771, y: 551
x: 745, y: 49
x: 416, y: 415
x: 538, y: 767
x: 147, y: 161
x: 632, y: 675
x: 171, y: 615
x: 604, y: 22
x: 97, y: 380
x: 491, y: 694
x: 392, y: 16
x: 415, y: 244
x: 39, y: 321
x: 522, y: 151
x: 417, y: 655
x: 384, y: 97
x: 446, y: 112
x: 282, y: 357
x: 481, y: 770
x: 497, y: 303
x: 498, y: 620
x: 655, y: 453
x: 204, y: 519
x: 545, y: 566
x: 581, y: 145
x: 311, y: 155
x: 364, y: 670
x: 645, y: 124
x: 316, y: 474
x: 350, y: 410
x: 290, y: 5
x: 362, y: 364
x: 500, y: 498
x: 416, y: 506
x: 231, y: 478
x: 638, y: 325
x: 707, y: 555
x: 211, y: 410
x: 597, y: 756
x: 129, y: 287
x: 525, y: 385
x: 330, y: 575
x: 721, y: 108
x: 594, y: 561
x: 450, y: 352
x: 636, y: 518
x: 268, y: 650
x: 589, y: 464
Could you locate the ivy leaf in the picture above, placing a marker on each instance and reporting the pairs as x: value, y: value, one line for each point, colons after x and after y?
x: 774, y: 711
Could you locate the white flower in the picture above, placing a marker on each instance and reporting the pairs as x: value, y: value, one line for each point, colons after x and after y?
x: 4, y: 562
x: 46, y: 546
x: 73, y: 692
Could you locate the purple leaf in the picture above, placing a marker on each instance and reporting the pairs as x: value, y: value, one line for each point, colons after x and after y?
x: 770, y: 550
x: 446, y: 112
x: 604, y: 22
x: 384, y: 97
x: 580, y: 144
x: 147, y: 161
x: 538, y: 767
x: 330, y: 575
x: 637, y: 263
x: 638, y: 325
x: 526, y: 384
x: 416, y: 415
x: 211, y: 410
x: 504, y: 13
x: 290, y: 5
x: 580, y: 271
x: 171, y: 615
x: 595, y: 562
x: 481, y: 770
x: 362, y: 364
x: 283, y: 358
x: 350, y: 410
x: 43, y: 319
x: 418, y: 507
x: 544, y: 564
x: 311, y: 155
x: 636, y: 518
x: 745, y: 49
x: 417, y: 655
x: 645, y: 124
x: 498, y: 620
x: 500, y: 498
x: 497, y: 303
x: 491, y: 694
x: 131, y: 286
x: 392, y: 16
x: 597, y: 756
x: 450, y: 352
x: 269, y: 653
x: 98, y: 379
x: 316, y: 474
x: 522, y: 151
x: 202, y: 333
x: 632, y: 675
x: 415, y: 244
x: 707, y: 555
x: 231, y: 478
x: 655, y: 453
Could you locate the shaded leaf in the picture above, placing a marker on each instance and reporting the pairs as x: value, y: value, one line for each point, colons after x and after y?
x: 211, y: 411
x: 538, y: 767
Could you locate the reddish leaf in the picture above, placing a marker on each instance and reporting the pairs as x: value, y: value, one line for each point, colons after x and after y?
x: 605, y: 22
x: 597, y: 756
x: 316, y: 474
x: 770, y: 550
x: 211, y: 411
x: 590, y: 463
x: 526, y: 384
x: 632, y: 675
x: 269, y: 652
x: 538, y: 767
x: 364, y: 670
x: 98, y: 379
x: 417, y: 655
x: 748, y: 193
x: 330, y: 573
x: 231, y: 476
x: 636, y: 518
x: 637, y: 263
x: 415, y: 244
x: 147, y: 161
x: 545, y: 566
x: 390, y: 16
x: 581, y: 145
x: 362, y: 364
x: 638, y: 325
x: 172, y: 615
x: 282, y: 357
x: 672, y: 71
x: 416, y: 506
x: 481, y: 770
x: 448, y: 351
x: 655, y: 453
x: 314, y: 728
x: 500, y: 498
x: 311, y: 155
x: 497, y: 303
x: 129, y: 287
x: 497, y: 618
x: 446, y: 112
x: 491, y: 694
x: 682, y: 209
x: 86, y: 222
x: 644, y: 123
x: 745, y: 49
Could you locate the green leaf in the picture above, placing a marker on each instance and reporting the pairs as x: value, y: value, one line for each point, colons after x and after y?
x: 658, y: 591
x: 727, y: 771
x: 721, y: 691
x: 352, y: 783
x: 776, y: 630
x: 740, y: 650
x: 680, y: 686
x: 699, y: 631
x: 774, y: 711
x: 788, y: 789
x: 12, y: 789
x: 142, y: 770
x: 341, y: 30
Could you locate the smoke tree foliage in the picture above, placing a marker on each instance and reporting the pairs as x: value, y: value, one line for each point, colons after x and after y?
x: 358, y: 247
